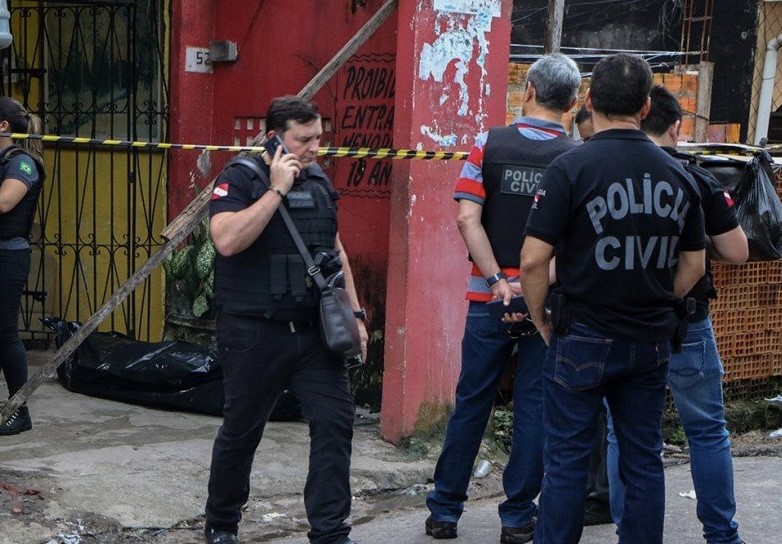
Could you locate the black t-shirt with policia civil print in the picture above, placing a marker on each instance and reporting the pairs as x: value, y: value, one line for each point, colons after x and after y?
x: 618, y: 209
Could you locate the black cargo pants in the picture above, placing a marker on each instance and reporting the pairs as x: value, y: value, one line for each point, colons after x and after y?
x: 260, y: 358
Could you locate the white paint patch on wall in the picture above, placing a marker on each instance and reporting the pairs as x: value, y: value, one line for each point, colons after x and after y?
x: 466, y: 24
x: 413, y: 199
x: 442, y: 140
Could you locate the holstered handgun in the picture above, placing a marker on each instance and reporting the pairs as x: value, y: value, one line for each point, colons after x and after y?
x: 684, y: 308
x: 560, y: 313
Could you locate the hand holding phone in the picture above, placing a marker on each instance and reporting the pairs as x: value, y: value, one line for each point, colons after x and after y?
x: 284, y: 167
x: 272, y: 144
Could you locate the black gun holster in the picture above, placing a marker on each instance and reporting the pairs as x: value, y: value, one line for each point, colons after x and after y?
x: 560, y: 313
x: 684, y: 308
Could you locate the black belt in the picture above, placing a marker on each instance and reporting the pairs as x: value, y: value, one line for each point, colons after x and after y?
x: 252, y: 323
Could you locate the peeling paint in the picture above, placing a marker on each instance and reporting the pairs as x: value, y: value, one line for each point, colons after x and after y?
x: 473, y: 7
x: 466, y: 23
x: 413, y: 199
x: 204, y: 163
x: 442, y: 140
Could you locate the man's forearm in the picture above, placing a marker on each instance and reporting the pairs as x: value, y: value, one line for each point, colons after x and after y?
x: 478, y: 245
x: 536, y: 261
x: 690, y: 269
x: 534, y: 285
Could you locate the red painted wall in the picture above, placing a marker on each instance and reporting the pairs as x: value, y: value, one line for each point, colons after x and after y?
x: 281, y: 46
x: 398, y: 224
x: 436, y: 52
x: 192, y: 24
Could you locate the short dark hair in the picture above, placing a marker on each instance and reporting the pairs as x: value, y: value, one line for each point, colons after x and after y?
x: 665, y: 111
x: 583, y: 115
x: 620, y: 84
x: 289, y: 108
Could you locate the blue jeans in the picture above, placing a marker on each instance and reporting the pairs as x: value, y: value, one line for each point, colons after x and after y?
x: 696, y: 386
x: 582, y: 367
x: 486, y: 349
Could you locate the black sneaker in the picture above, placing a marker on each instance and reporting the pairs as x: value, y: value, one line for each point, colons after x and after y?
x: 17, y: 423
x: 517, y: 535
x: 597, y: 513
x: 440, y: 529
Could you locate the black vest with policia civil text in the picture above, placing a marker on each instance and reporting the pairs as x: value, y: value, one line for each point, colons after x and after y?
x: 513, y: 167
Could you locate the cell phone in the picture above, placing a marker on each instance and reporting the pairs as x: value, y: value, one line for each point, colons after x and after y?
x: 517, y: 306
x: 272, y: 144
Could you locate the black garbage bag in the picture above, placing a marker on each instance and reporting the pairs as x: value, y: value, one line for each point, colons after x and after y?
x: 759, y: 209
x: 174, y: 375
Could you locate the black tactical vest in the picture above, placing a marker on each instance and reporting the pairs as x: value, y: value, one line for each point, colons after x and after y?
x: 19, y: 221
x: 269, y: 279
x: 513, y: 166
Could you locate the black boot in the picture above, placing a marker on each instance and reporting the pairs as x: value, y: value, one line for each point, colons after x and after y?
x: 17, y: 423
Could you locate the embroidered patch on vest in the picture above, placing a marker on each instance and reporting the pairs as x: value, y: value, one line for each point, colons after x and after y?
x: 301, y: 199
x: 521, y: 180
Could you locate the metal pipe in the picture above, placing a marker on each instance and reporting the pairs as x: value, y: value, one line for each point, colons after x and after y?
x: 767, y: 89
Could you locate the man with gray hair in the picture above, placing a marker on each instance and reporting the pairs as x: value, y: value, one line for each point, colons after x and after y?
x: 495, y: 193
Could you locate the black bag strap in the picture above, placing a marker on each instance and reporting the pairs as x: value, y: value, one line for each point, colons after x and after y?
x: 313, y: 270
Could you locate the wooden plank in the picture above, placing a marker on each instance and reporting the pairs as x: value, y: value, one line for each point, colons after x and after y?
x: 348, y: 50
x: 703, y: 109
x: 182, y: 225
x: 553, y: 38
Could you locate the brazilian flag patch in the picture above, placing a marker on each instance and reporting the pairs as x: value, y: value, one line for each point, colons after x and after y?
x: 26, y: 167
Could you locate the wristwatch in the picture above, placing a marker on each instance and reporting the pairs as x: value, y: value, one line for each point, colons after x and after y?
x: 360, y: 314
x: 491, y: 280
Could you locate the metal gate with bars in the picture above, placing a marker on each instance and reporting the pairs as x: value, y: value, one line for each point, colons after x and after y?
x: 94, y: 69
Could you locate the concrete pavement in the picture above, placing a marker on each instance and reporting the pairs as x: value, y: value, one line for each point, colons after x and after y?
x: 758, y: 484
x: 107, y: 468
x: 104, y: 472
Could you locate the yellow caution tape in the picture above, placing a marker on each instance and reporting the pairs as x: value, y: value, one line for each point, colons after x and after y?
x: 365, y: 152
x: 353, y: 152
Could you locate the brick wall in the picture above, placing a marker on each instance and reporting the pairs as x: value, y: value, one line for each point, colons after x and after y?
x: 685, y: 86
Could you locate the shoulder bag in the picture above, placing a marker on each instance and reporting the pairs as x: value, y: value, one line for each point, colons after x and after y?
x: 338, y: 325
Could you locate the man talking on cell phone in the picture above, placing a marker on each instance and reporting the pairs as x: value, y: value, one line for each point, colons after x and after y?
x: 495, y: 192
x: 267, y: 331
